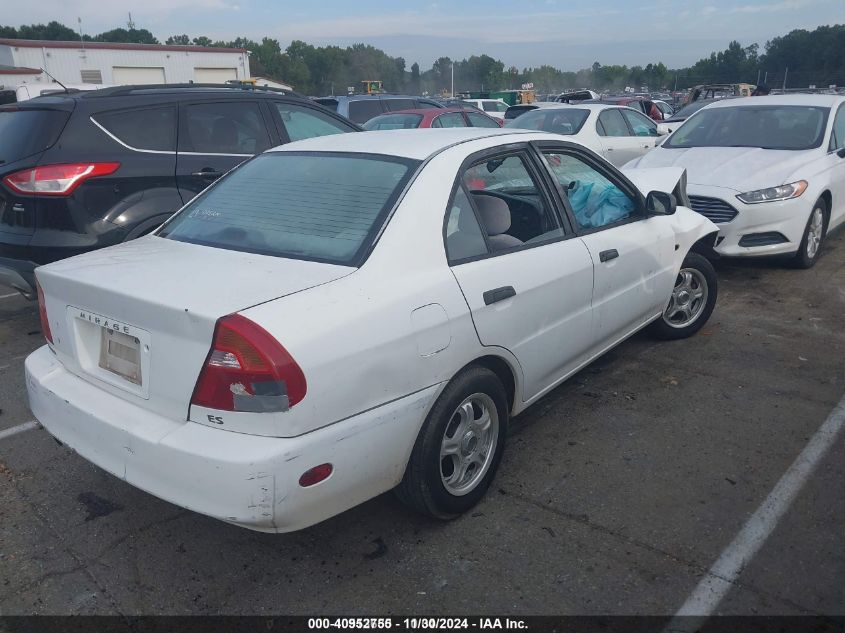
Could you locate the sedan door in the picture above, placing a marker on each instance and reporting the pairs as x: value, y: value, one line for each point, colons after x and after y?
x: 643, y: 128
x: 618, y: 141
x: 527, y: 280
x: 214, y: 137
x: 633, y: 253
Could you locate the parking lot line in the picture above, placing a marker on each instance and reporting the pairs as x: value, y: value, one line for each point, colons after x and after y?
x: 726, y: 570
x: 20, y: 428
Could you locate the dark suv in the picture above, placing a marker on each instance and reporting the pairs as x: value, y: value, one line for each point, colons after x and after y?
x: 86, y: 170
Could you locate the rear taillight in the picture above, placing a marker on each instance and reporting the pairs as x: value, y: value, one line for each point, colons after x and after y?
x: 248, y: 370
x: 42, y: 312
x: 56, y: 180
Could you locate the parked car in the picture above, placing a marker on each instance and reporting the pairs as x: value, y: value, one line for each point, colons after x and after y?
x: 431, y: 117
x: 770, y: 171
x: 362, y: 108
x: 618, y: 134
x: 674, y: 122
x: 665, y: 109
x: 646, y: 106
x: 495, y: 108
x: 576, y: 96
x: 361, y: 313
x: 90, y: 169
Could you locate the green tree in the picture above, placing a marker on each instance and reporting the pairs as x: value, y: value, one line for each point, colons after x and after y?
x: 178, y: 40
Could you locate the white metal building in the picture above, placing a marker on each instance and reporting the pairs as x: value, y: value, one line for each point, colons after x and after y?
x: 116, y: 64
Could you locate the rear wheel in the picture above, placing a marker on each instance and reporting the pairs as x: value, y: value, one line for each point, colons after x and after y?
x: 692, y: 301
x: 459, y: 447
x: 814, y: 233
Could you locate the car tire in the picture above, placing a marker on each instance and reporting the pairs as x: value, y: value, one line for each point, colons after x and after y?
x: 459, y: 447
x: 692, y: 301
x: 813, y: 239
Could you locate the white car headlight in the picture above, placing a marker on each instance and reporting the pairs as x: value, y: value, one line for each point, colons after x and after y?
x: 781, y: 192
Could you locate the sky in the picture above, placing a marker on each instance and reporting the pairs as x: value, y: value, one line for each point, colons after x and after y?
x: 567, y: 34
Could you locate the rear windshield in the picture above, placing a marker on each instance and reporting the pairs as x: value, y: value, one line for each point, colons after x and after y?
x: 394, y: 122
x: 557, y: 120
x: 27, y: 132
x: 763, y: 126
x: 323, y: 207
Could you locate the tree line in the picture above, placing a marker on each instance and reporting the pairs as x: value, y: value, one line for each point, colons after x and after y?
x: 798, y: 59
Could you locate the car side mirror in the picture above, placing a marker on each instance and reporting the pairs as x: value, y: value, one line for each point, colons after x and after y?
x: 660, y: 203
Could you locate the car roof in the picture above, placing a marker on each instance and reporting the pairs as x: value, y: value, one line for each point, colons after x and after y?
x: 799, y: 100
x: 413, y: 144
x: 188, y: 90
x: 424, y: 111
x: 581, y: 105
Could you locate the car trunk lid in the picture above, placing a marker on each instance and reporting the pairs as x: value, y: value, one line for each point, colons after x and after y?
x: 138, y: 319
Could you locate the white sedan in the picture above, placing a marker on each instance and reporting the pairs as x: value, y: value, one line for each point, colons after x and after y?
x: 770, y: 171
x: 618, y: 133
x: 495, y: 108
x: 343, y: 316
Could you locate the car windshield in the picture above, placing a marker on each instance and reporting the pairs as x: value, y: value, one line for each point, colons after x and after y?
x: 394, y: 122
x: 763, y: 126
x: 566, y: 121
x: 303, y: 205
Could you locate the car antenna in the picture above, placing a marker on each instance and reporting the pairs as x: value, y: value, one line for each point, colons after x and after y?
x: 54, y: 79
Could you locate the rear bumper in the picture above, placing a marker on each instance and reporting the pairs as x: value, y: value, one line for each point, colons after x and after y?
x: 247, y: 480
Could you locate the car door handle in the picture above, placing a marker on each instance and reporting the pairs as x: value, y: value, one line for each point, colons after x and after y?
x: 606, y: 256
x: 498, y: 294
x: 208, y: 173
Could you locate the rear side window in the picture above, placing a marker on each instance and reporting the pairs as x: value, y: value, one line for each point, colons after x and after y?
x: 27, y: 132
x: 224, y: 128
x: 611, y: 123
x: 303, y: 122
x: 363, y: 111
x: 148, y: 128
x: 451, y: 119
x: 303, y: 205
x: 394, y: 122
x: 477, y: 119
x: 394, y: 105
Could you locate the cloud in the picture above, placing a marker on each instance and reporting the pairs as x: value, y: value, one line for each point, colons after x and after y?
x: 490, y: 28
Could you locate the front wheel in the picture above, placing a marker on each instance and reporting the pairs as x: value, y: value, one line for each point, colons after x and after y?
x: 459, y: 446
x: 811, y: 242
x: 692, y: 301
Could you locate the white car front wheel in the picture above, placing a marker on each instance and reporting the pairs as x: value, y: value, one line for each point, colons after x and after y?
x: 814, y: 233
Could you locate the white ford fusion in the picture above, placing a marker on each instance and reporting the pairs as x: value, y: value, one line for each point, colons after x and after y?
x: 346, y: 315
x: 770, y: 171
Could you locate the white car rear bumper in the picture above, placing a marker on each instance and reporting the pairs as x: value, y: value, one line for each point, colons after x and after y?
x: 248, y: 480
x: 753, y: 222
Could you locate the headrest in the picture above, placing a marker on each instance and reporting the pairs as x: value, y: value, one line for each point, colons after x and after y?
x: 495, y: 214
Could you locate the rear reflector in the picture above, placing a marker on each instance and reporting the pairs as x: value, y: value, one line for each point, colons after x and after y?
x: 42, y: 312
x: 56, y: 180
x: 248, y: 370
x: 315, y: 475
